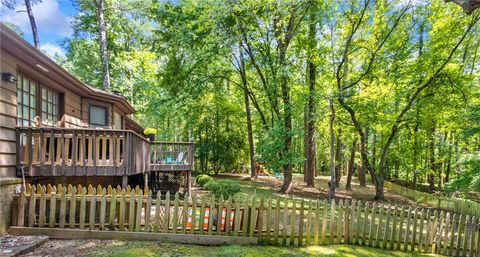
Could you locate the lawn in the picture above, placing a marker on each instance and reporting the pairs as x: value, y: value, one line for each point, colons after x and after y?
x: 126, y: 249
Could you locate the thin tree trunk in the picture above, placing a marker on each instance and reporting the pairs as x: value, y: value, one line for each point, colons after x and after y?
x: 33, y: 24
x: 338, y: 157
x: 374, y: 155
x: 331, y: 183
x: 251, y: 150
x: 415, y: 150
x: 351, y: 163
x: 449, y: 159
x: 311, y: 119
x: 433, y: 166
x: 102, y: 41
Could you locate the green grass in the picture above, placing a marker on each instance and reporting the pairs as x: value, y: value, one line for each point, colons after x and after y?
x: 127, y: 249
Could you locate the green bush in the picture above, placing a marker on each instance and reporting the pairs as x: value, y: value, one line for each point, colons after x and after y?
x: 203, y: 179
x: 226, y: 188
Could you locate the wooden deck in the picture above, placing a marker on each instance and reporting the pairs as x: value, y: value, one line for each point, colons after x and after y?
x: 96, y: 152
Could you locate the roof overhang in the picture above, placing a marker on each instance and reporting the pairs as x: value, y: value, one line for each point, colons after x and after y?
x: 21, y: 49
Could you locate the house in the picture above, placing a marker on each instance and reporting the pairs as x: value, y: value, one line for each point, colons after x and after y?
x: 56, y: 129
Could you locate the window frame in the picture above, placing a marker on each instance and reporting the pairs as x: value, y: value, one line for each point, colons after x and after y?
x: 38, y: 102
x: 56, y: 103
x: 90, y: 124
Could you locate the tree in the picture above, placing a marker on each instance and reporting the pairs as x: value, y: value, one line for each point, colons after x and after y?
x: 10, y: 4
x: 102, y: 42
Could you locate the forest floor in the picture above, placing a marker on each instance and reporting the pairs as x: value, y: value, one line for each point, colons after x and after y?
x: 64, y: 248
x: 267, y: 186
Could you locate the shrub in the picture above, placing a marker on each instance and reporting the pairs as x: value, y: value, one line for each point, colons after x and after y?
x: 150, y: 131
x: 226, y: 188
x: 203, y: 179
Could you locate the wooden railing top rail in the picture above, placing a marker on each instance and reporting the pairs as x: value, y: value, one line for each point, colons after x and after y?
x: 83, y: 129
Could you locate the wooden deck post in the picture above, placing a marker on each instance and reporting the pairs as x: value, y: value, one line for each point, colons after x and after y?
x: 124, y: 181
x: 145, y: 178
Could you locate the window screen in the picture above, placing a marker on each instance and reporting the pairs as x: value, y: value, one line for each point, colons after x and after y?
x: 98, y: 116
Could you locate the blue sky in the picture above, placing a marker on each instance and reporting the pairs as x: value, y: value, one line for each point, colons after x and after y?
x: 53, y: 19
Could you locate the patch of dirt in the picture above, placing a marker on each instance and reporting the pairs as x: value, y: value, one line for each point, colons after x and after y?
x: 320, y: 191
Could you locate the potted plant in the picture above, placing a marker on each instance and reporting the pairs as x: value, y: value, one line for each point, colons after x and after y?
x: 150, y: 133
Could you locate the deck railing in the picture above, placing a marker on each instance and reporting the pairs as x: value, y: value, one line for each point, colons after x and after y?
x: 99, y: 152
x: 174, y: 156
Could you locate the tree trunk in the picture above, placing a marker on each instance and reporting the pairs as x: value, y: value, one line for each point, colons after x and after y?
x: 338, y: 157
x: 311, y: 119
x: 102, y: 41
x: 331, y: 183
x: 251, y: 150
x: 351, y: 164
x: 33, y: 24
x: 374, y: 156
x: 432, y: 171
x: 415, y: 149
x: 449, y: 158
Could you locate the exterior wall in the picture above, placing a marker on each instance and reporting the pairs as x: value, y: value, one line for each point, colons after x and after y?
x: 8, y: 114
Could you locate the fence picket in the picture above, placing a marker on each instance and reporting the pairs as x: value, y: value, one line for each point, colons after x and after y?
x: 277, y: 221
x: 301, y: 223
x: 285, y: 219
x: 31, y: 207
x: 252, y: 216
x: 219, y: 215
x: 324, y: 223
x: 93, y: 205
x: 166, y: 215
x: 211, y: 212
x: 228, y: 216
x: 175, y: 214
x: 269, y: 221
x: 184, y: 214
x: 459, y: 235
x: 43, y: 201
x: 452, y: 234
x: 407, y: 229
x: 72, y: 208
x: 340, y: 222
x: 372, y: 225
x: 292, y: 222
x: 121, y: 213
x: 358, y: 212
x: 194, y: 214
x: 103, y: 208
x: 365, y: 224
x: 158, y: 205
x: 131, y: 211
x: 421, y: 236
x: 53, y: 205
x: 316, y: 223
x: 63, y: 207
x: 414, y: 230
x: 400, y: 229
x: 83, y: 208
x: 202, y: 215
x: 393, y: 231
x: 309, y: 223
x: 332, y: 222
x: 386, y: 228
x: 237, y: 218
x: 21, y: 207
x: 113, y: 209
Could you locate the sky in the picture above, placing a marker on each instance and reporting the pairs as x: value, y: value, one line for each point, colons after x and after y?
x: 52, y: 17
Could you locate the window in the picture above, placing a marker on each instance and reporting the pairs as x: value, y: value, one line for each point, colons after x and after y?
x: 97, y: 116
x: 117, y: 119
x: 27, y: 102
x: 49, y: 107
